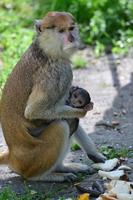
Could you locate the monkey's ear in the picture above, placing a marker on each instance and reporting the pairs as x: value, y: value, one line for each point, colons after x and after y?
x: 38, y: 24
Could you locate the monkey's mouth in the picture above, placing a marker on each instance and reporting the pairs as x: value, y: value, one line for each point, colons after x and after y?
x: 71, y: 45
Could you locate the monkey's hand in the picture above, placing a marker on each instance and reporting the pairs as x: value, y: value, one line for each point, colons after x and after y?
x: 70, y: 112
x: 89, y: 106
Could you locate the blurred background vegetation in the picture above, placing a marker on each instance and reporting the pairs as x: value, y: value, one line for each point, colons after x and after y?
x: 105, y: 25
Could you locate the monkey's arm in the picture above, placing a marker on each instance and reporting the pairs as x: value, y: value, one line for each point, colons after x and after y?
x: 38, y: 107
x: 39, y: 112
x: 88, y: 145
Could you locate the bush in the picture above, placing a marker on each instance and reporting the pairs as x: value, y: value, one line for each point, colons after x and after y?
x: 104, y: 24
x: 78, y: 61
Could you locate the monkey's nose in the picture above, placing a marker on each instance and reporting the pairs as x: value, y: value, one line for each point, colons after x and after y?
x: 70, y: 38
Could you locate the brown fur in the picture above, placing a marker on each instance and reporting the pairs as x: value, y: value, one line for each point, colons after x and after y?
x: 29, y: 94
x: 36, y: 92
x: 57, y: 19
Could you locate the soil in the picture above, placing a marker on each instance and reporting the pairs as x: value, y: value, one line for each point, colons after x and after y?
x: 109, y: 80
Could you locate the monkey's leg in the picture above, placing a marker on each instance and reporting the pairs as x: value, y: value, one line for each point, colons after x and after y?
x: 57, y: 138
x: 73, y: 124
x: 74, y: 168
x: 88, y: 145
x: 54, y: 177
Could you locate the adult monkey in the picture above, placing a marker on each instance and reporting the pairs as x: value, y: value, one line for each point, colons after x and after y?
x: 37, y: 89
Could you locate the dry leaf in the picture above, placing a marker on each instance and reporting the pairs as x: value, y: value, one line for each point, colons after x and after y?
x: 125, y: 177
x: 99, y: 186
x: 107, y: 197
x: 93, y: 192
x: 84, y: 196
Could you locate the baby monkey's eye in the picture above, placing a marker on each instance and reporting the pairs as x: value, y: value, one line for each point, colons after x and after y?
x: 62, y: 30
x: 75, y: 96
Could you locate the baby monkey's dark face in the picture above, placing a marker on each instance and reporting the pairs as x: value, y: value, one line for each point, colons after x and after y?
x: 79, y: 98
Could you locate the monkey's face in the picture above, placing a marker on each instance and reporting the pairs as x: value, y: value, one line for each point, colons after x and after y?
x: 58, y: 34
x: 77, y: 100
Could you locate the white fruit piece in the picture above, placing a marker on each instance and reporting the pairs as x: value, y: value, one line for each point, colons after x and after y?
x: 116, y: 187
x: 113, y: 175
x: 117, y: 190
x: 107, y: 166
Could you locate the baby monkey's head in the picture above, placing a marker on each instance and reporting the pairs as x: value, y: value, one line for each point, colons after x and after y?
x: 79, y: 97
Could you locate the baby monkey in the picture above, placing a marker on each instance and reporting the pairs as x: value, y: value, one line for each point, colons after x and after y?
x: 78, y: 98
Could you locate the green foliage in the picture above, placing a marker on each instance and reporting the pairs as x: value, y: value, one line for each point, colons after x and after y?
x: 116, y: 153
x: 103, y: 24
x: 8, y: 194
x: 14, y: 35
x: 75, y: 147
x: 78, y: 61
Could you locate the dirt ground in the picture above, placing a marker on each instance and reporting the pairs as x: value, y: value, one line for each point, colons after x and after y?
x: 109, y: 80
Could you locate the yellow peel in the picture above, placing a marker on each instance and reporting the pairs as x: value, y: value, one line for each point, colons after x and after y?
x: 84, y: 196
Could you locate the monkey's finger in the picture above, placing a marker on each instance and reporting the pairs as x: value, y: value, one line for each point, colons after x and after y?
x: 70, y: 177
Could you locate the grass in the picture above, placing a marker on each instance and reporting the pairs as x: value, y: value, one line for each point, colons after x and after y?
x: 112, y: 152
x: 8, y: 194
x: 109, y: 152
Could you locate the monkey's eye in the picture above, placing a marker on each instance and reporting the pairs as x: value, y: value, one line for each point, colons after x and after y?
x: 75, y: 96
x: 62, y: 30
x: 50, y: 27
x: 71, y: 28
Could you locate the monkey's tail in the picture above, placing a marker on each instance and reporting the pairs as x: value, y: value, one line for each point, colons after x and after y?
x: 4, y: 157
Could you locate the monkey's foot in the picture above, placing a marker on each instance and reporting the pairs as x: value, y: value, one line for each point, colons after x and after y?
x: 55, y: 177
x: 97, y: 158
x: 74, y: 168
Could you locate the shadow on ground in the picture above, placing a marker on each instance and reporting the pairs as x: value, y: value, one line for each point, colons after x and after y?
x: 116, y: 126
